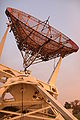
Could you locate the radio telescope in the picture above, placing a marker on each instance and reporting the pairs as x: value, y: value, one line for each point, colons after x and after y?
x: 29, y: 98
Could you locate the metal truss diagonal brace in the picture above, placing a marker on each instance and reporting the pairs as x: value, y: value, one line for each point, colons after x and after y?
x: 55, y: 104
x: 3, y: 41
x: 55, y: 73
x: 29, y: 114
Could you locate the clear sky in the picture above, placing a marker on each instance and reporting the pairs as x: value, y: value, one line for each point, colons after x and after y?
x: 64, y: 16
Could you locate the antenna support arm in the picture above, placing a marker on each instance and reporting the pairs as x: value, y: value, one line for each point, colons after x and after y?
x: 3, y: 40
x: 55, y: 73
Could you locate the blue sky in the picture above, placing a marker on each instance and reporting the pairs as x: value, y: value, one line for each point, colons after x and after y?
x: 64, y: 16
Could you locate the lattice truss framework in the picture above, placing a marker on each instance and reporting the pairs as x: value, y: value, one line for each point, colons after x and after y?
x: 24, y: 100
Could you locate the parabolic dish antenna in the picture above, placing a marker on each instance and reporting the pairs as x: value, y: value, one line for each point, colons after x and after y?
x: 37, y: 40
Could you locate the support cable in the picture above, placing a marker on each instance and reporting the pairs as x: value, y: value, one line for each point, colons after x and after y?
x: 22, y: 98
